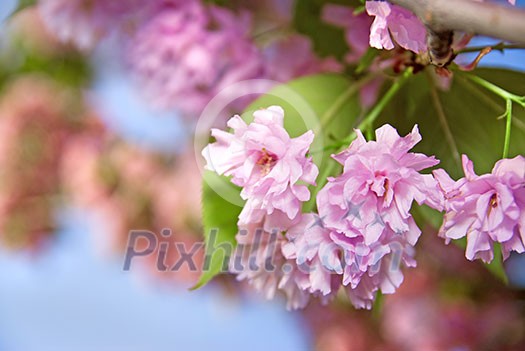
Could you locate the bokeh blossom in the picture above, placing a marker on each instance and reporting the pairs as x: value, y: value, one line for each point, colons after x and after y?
x: 487, y: 209
x: 126, y: 188
x: 85, y: 22
x: 263, y: 160
x: 34, y: 128
x: 188, y: 52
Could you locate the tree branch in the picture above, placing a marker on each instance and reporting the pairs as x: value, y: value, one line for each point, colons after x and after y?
x: 503, y: 22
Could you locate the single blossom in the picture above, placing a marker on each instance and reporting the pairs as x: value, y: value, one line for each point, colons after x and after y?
x: 188, y: 52
x: 379, y: 183
x: 395, y: 24
x: 487, y: 209
x: 271, y: 167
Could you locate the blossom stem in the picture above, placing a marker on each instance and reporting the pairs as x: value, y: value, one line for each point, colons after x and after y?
x: 508, y: 128
x: 444, y: 123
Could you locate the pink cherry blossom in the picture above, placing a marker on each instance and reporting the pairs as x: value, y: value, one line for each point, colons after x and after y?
x: 263, y: 160
x: 365, y: 215
x: 380, y: 181
x: 375, y: 267
x: 394, y: 24
x: 315, y: 253
x: 487, y: 209
x: 188, y: 52
x: 331, y: 259
x: 259, y: 260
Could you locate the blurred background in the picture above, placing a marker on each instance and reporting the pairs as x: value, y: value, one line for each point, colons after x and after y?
x: 85, y: 157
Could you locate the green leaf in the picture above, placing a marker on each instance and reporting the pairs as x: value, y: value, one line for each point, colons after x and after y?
x: 468, y: 122
x: 220, y: 226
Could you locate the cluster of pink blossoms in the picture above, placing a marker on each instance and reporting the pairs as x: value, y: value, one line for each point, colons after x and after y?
x: 487, y: 209
x: 188, y: 52
x: 363, y: 233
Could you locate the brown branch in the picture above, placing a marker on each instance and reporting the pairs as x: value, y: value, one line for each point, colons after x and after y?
x: 483, y: 18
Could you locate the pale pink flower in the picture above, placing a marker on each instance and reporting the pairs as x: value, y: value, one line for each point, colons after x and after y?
x: 311, y: 245
x: 394, y: 24
x: 259, y: 260
x: 188, y: 52
x: 487, y: 209
x: 330, y: 259
x: 271, y: 167
x: 84, y: 22
x: 292, y: 57
x: 366, y: 211
x: 375, y: 267
x: 379, y: 183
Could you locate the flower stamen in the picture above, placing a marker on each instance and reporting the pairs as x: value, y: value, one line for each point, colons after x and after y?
x: 267, y: 160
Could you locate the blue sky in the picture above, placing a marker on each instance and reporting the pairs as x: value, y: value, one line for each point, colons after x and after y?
x: 71, y: 298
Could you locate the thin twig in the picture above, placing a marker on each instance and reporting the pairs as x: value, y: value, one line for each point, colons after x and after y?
x: 499, y: 47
